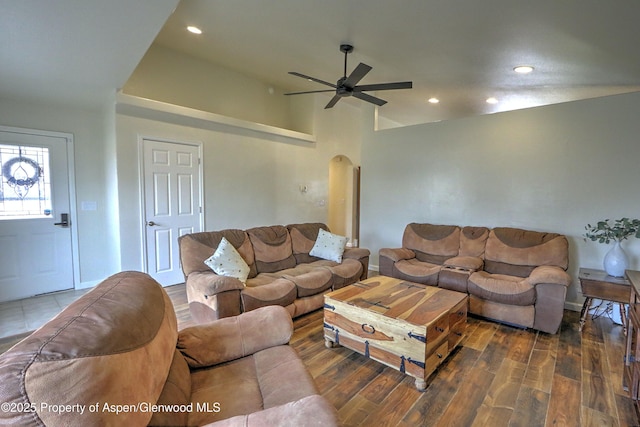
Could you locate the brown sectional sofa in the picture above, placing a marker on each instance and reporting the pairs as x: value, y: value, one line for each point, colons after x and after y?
x: 115, y: 357
x: 512, y: 275
x: 281, y: 271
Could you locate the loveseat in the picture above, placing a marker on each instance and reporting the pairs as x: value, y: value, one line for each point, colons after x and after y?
x: 116, y: 357
x: 281, y: 270
x: 512, y: 275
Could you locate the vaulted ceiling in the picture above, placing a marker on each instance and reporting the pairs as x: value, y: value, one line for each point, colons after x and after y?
x: 460, y: 52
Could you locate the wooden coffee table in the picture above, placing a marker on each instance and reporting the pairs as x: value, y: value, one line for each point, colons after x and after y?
x: 407, y: 326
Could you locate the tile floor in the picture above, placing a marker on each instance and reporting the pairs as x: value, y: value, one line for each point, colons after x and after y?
x: 28, y: 314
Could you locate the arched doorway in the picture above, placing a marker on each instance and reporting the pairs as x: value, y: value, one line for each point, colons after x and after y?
x: 344, y: 198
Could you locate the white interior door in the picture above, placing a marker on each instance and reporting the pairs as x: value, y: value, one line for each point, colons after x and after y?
x: 172, y: 194
x: 36, y: 251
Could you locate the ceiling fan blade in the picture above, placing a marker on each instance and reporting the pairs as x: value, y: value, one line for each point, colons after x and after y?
x: 333, y: 102
x: 313, y: 79
x: 357, y: 75
x: 372, y: 99
x: 384, y: 86
x: 310, y: 91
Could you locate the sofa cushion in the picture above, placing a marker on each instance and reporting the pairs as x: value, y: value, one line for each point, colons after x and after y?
x: 98, y: 349
x: 473, y: 241
x: 417, y: 271
x: 176, y: 391
x: 278, y: 292
x: 250, y: 384
x: 314, y: 282
x: 517, y: 252
x: 272, y: 248
x: 226, y: 261
x: 432, y: 243
x: 311, y: 409
x: 501, y: 288
x: 303, y: 237
x: 345, y: 273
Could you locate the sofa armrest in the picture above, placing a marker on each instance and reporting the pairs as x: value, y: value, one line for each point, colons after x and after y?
x: 361, y: 255
x: 397, y: 254
x: 356, y: 253
x: 235, y: 337
x: 388, y: 258
x: 549, y: 274
x: 311, y: 410
x: 466, y: 263
x: 209, y: 283
x: 551, y: 291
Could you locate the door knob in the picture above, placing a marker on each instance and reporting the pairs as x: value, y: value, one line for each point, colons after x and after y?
x: 64, y: 220
x: 151, y: 223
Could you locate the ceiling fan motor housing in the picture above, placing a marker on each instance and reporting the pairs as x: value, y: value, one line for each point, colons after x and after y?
x: 348, y: 85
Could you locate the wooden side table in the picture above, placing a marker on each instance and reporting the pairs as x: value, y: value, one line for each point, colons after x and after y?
x: 599, y: 285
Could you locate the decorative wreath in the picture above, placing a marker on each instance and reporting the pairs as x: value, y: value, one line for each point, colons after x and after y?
x: 28, y: 182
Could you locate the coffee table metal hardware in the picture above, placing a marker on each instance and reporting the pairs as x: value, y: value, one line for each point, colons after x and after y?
x: 418, y: 337
x: 330, y: 307
x: 368, y: 329
x: 415, y: 362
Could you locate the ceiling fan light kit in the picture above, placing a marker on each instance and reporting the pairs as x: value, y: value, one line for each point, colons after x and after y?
x: 348, y: 86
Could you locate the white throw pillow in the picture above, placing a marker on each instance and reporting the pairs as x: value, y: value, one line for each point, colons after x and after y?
x: 226, y: 261
x: 329, y: 246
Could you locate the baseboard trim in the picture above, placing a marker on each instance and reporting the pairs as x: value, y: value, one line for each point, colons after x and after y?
x: 87, y: 285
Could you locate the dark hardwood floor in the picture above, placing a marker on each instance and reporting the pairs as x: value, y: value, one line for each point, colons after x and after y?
x: 498, y: 376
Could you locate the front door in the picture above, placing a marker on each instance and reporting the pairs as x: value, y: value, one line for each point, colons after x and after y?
x: 36, y: 251
x: 172, y: 193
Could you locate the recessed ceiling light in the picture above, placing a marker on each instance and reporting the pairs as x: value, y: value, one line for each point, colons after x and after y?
x: 523, y: 69
x: 194, y: 30
x: 434, y: 100
x: 492, y: 100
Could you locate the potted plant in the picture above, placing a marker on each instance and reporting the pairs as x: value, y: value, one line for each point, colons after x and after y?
x: 616, y: 260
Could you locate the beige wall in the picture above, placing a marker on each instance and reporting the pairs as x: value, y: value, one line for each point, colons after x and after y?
x: 340, y: 205
x: 250, y: 179
x: 553, y: 168
x: 173, y: 77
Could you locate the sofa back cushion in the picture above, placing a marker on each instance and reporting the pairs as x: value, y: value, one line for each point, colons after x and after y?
x: 432, y: 243
x: 303, y: 237
x: 272, y: 248
x: 195, y: 248
x: 517, y: 252
x: 473, y: 241
x: 113, y: 346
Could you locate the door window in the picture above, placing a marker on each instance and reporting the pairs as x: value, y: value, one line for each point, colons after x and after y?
x: 25, y: 189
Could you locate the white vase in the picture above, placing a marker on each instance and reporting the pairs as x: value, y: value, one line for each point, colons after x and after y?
x: 616, y: 261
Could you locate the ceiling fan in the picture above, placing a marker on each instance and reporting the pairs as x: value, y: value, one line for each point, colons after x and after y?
x: 348, y: 86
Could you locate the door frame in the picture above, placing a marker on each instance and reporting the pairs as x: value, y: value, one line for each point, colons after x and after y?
x: 142, y: 197
x: 71, y: 174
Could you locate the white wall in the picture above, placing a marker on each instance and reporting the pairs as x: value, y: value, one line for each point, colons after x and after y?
x: 173, y: 77
x: 553, y: 168
x: 97, y: 252
x: 250, y: 179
